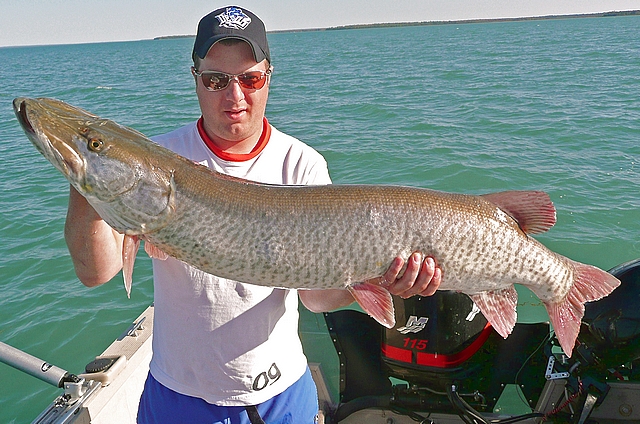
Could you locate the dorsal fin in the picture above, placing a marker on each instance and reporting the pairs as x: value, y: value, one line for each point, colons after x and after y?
x: 533, y: 210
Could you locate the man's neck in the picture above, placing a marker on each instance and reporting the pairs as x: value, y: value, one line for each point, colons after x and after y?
x: 238, y: 150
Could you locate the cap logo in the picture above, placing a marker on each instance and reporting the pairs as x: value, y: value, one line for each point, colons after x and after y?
x: 233, y: 18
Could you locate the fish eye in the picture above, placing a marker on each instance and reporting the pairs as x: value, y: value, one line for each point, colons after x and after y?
x: 96, y: 144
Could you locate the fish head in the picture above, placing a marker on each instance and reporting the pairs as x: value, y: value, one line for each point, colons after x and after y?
x: 80, y: 145
x: 109, y: 164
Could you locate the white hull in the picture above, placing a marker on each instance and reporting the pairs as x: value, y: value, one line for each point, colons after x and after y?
x: 111, y: 396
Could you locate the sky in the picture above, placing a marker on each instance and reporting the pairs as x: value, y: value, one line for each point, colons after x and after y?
x: 34, y: 22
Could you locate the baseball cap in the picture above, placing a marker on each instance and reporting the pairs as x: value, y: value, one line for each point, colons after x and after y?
x: 232, y: 22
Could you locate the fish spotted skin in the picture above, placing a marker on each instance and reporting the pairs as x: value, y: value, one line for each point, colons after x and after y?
x: 313, y: 237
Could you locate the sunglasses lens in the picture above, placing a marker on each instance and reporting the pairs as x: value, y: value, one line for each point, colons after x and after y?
x: 215, y: 80
x: 252, y: 80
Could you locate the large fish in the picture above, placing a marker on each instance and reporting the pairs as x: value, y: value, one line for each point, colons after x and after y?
x: 313, y: 237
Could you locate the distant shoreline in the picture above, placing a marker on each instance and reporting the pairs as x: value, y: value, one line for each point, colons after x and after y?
x: 456, y: 22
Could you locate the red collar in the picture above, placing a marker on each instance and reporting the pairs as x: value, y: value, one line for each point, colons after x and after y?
x: 235, y: 157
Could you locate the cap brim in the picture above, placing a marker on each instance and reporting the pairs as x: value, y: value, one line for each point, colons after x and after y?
x: 204, y: 48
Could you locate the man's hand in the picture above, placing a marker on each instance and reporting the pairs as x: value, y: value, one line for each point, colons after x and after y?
x: 421, y: 277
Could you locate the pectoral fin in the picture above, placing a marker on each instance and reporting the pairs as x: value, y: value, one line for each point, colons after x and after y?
x: 154, y: 252
x: 130, y: 247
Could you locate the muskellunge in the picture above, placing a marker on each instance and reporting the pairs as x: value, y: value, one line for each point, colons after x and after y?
x: 313, y: 237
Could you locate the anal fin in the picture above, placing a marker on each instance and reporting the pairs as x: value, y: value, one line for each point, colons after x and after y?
x: 499, y: 308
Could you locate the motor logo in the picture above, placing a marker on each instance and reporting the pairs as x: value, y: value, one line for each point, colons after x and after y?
x: 413, y: 325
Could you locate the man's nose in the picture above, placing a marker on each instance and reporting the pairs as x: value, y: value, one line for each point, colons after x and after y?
x: 234, y: 90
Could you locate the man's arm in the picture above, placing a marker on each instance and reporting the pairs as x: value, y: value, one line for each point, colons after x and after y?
x: 420, y: 278
x: 95, y: 248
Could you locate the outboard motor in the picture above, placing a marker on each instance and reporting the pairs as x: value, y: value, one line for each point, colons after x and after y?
x: 443, y: 343
x: 450, y: 357
x: 434, y: 337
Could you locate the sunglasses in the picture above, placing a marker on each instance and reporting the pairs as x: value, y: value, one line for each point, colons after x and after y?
x: 216, y: 81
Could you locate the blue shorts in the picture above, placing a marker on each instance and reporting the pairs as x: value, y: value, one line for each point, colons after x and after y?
x: 297, y: 404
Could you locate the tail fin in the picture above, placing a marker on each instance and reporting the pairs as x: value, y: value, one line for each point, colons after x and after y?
x: 590, y: 283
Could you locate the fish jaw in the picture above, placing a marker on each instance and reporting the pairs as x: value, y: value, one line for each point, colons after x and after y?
x: 62, y: 155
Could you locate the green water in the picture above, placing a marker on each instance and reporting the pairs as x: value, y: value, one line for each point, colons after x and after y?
x: 547, y: 105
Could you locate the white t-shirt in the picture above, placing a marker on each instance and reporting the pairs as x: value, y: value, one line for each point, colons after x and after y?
x: 227, y: 342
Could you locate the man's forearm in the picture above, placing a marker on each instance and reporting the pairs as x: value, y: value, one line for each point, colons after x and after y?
x: 95, y: 248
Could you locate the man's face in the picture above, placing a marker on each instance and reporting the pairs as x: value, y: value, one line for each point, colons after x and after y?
x: 232, y: 116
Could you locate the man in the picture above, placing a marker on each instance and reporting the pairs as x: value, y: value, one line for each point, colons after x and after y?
x: 225, y: 351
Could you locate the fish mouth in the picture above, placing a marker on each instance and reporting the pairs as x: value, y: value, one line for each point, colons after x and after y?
x: 19, y: 106
x: 50, y: 140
